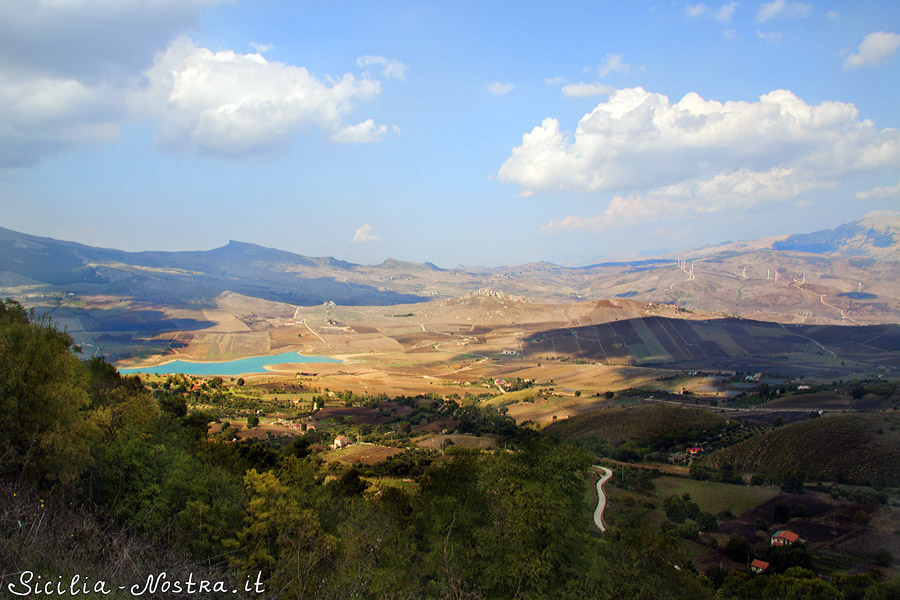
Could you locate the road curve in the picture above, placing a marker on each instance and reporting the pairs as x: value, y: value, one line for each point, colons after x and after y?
x: 601, y: 498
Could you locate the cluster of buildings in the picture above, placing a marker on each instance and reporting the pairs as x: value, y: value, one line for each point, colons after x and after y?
x: 782, y: 537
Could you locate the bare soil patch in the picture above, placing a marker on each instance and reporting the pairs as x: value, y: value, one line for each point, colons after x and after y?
x: 367, y: 454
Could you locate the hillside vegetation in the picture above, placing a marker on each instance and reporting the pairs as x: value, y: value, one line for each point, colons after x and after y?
x: 87, y: 447
x: 856, y: 449
x: 639, y: 424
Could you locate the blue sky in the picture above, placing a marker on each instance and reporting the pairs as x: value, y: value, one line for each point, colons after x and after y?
x: 460, y: 133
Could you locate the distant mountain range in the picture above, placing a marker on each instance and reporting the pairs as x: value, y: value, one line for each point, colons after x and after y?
x: 847, y: 274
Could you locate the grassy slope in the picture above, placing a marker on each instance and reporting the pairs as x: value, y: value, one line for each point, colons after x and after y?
x: 714, y: 497
x: 639, y: 423
x: 834, y: 448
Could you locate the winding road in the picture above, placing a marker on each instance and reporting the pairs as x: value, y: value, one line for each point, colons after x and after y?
x: 601, y: 498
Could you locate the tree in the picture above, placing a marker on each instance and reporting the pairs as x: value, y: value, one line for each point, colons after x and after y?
x: 173, y: 405
x: 279, y: 538
x: 252, y: 421
x: 883, y: 557
x: 781, y: 512
x: 44, y: 400
x: 349, y: 483
x: 737, y: 548
x: 792, y: 481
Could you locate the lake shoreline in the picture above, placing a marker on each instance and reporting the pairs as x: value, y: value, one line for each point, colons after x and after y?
x: 238, y: 366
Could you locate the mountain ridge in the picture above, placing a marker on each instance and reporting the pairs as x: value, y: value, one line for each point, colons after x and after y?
x: 805, y: 277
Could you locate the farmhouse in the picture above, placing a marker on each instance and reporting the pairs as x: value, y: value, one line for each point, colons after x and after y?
x: 785, y: 538
x: 758, y: 566
x: 341, y: 441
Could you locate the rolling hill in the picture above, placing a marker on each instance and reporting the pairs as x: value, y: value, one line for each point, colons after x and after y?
x: 728, y: 344
x: 861, y: 449
x: 640, y: 424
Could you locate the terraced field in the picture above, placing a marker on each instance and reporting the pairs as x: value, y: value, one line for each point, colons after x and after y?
x: 739, y: 344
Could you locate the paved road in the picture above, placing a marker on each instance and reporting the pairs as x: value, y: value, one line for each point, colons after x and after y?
x: 601, y: 499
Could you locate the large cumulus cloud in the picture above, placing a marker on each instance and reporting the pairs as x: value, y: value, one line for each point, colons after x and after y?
x: 229, y: 103
x: 71, y: 73
x: 697, y: 155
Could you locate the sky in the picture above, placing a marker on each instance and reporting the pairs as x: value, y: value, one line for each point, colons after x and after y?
x: 472, y: 133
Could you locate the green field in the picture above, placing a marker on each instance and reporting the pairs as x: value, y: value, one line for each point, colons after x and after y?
x: 512, y: 397
x: 640, y: 423
x: 714, y: 497
x: 382, y: 483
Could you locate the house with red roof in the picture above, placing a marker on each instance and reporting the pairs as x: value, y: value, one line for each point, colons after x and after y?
x: 759, y: 566
x: 784, y: 537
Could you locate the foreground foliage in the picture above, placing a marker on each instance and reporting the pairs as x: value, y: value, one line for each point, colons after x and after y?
x: 108, y: 456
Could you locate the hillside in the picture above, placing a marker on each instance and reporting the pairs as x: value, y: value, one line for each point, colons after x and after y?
x: 857, y: 449
x: 640, y: 424
x: 848, y: 275
x: 733, y: 344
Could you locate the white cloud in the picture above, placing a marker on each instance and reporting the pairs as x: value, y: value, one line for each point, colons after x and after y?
x: 361, y: 133
x: 876, y: 48
x: 832, y: 14
x: 390, y: 68
x: 232, y: 104
x: 727, y: 191
x: 888, y: 191
x: 66, y: 68
x: 726, y: 12
x: 262, y: 48
x: 723, y: 14
x: 781, y: 9
x: 694, y: 10
x: 771, y: 37
x: 655, y: 154
x: 43, y: 115
x: 500, y: 89
x: 73, y: 71
x: 581, y: 90
x: 364, y: 234
x: 613, y: 64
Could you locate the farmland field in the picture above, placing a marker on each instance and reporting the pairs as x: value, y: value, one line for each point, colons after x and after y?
x: 367, y: 454
x: 714, y: 497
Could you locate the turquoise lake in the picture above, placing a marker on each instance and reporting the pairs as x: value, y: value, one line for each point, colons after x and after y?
x: 253, y: 364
